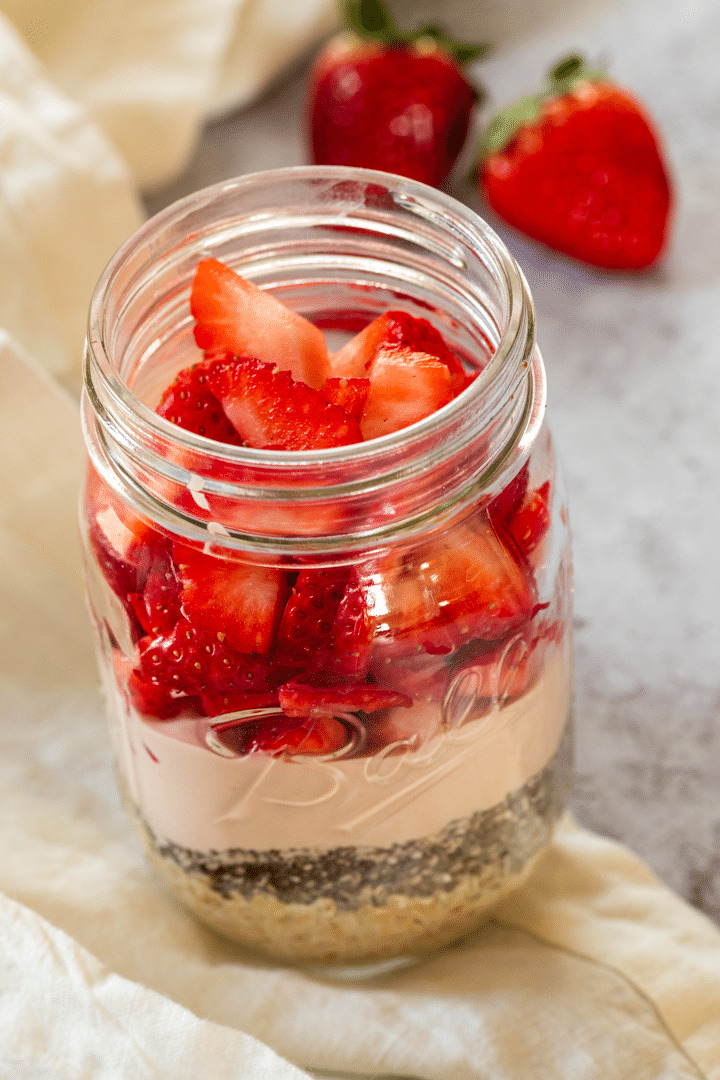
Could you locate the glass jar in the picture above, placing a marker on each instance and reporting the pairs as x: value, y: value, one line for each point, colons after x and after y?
x: 373, y: 787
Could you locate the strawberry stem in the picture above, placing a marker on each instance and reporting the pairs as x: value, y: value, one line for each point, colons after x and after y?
x: 573, y: 69
x: 371, y: 19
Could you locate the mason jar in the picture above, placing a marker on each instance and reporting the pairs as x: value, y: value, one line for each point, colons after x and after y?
x: 370, y: 783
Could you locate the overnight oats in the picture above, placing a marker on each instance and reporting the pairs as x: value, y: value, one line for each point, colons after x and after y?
x: 328, y: 562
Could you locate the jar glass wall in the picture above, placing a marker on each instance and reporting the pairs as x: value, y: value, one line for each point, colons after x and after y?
x: 368, y: 783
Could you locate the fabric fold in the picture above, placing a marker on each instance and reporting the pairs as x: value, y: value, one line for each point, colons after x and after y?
x: 594, y: 969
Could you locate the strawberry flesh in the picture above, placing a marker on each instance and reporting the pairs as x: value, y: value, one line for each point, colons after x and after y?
x: 188, y: 661
x: 297, y: 699
x: 282, y: 735
x: 405, y: 386
x: 269, y: 408
x: 242, y: 602
x: 189, y: 403
x: 309, y: 617
x: 395, y: 327
x: 532, y: 520
x: 157, y: 607
x: 349, y: 394
x: 510, y: 499
x: 349, y: 647
x: 234, y: 314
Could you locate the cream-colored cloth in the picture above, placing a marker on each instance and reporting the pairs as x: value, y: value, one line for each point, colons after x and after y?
x: 594, y: 971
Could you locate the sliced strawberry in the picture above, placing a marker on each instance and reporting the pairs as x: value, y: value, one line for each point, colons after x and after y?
x: 282, y: 735
x: 299, y: 699
x: 158, y: 606
x: 268, y: 408
x: 178, y: 661
x: 510, y: 499
x: 191, y: 661
x: 232, y: 313
x: 349, y: 394
x: 529, y: 524
x: 466, y: 585
x: 348, y: 649
x: 239, y: 602
x: 395, y: 328
x: 405, y: 387
x: 493, y: 593
x: 155, y: 699
x: 124, y: 546
x: 189, y: 403
x: 353, y: 360
x: 309, y: 616
x: 421, y: 336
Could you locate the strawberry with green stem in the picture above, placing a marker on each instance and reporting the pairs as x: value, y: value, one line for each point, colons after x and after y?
x: 580, y: 168
x: 381, y: 99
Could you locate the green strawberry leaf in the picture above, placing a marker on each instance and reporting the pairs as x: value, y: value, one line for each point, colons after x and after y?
x: 562, y: 78
x: 505, y: 124
x: 371, y: 19
x: 570, y: 71
x: 463, y: 52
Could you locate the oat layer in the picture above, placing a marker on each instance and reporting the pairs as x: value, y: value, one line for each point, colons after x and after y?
x: 370, y: 903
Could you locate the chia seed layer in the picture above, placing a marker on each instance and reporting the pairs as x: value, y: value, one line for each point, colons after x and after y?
x: 365, y: 902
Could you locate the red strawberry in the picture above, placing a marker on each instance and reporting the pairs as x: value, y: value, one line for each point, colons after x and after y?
x: 309, y: 616
x: 349, y: 394
x: 510, y: 499
x: 158, y: 606
x: 268, y: 408
x: 348, y: 649
x: 231, y: 313
x: 189, y: 403
x: 122, y: 543
x: 189, y: 661
x: 297, y: 699
x: 405, y: 387
x: 579, y: 168
x: 154, y: 698
x: 395, y: 328
x: 532, y: 520
x: 282, y: 735
x: 238, y: 602
x: 464, y: 585
x: 382, y: 100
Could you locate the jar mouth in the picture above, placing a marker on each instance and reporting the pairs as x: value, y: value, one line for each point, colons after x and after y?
x: 302, y: 230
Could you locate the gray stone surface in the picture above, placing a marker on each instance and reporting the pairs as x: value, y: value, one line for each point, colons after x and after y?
x: 633, y: 365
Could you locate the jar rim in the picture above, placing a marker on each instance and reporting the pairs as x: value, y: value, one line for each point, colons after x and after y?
x: 520, y: 320
x: 512, y: 371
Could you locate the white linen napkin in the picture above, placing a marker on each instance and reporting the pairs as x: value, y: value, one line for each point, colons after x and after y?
x: 594, y: 970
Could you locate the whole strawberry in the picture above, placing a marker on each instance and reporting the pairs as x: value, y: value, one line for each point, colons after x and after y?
x: 381, y: 100
x: 579, y: 168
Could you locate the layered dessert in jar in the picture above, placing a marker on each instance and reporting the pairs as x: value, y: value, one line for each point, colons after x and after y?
x: 334, y: 751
